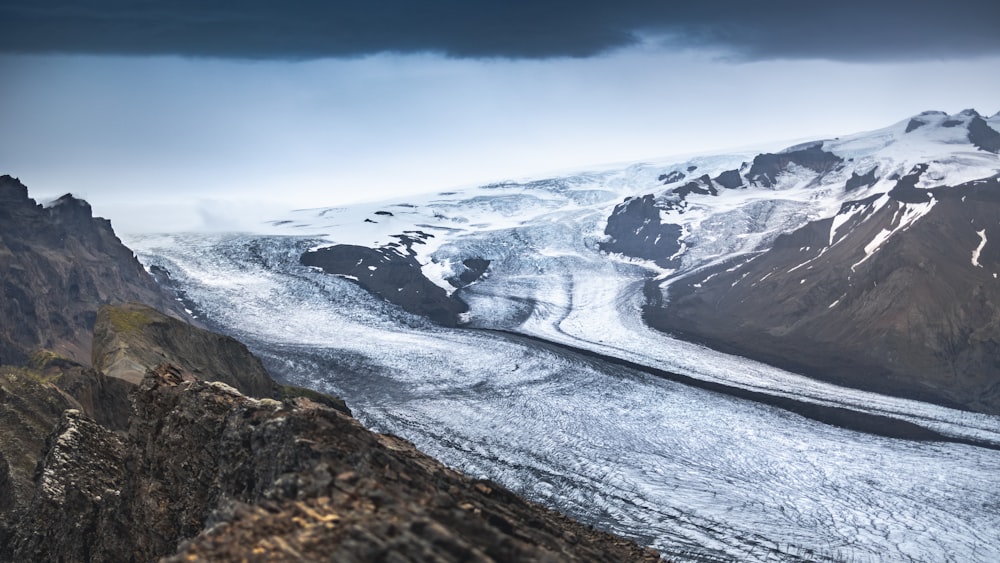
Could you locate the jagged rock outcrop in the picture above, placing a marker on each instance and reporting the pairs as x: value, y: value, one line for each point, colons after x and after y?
x: 635, y: 229
x: 702, y: 185
x: 30, y: 408
x: 58, y: 264
x: 730, y: 179
x: 767, y: 167
x: 291, y: 480
x: 74, y: 514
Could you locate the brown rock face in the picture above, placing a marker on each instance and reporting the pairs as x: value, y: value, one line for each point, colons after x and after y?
x: 130, y: 339
x: 74, y: 513
x: 58, y: 264
x: 30, y: 408
x: 918, y: 317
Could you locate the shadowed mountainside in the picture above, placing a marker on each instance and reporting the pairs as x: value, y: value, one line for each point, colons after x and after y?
x: 58, y: 264
x: 917, y: 315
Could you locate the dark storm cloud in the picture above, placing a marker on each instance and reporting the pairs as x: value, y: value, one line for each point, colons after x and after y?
x: 869, y: 30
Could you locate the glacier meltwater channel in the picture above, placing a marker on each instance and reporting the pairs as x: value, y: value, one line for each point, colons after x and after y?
x: 700, y: 475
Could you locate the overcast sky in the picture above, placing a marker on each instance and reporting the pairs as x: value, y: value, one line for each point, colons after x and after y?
x: 140, y: 107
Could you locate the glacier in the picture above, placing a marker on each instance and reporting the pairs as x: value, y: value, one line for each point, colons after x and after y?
x: 696, y: 474
x: 530, y: 393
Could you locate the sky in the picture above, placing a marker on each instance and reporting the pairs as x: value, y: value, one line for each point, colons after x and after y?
x: 192, y: 115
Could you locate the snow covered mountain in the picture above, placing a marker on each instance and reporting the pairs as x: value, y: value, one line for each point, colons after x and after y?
x: 540, y: 368
x: 663, y: 222
x: 895, y: 292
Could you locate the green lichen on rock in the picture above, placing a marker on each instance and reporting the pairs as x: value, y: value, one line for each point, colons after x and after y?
x: 15, y: 374
x: 128, y: 319
x: 46, y: 361
x: 289, y: 392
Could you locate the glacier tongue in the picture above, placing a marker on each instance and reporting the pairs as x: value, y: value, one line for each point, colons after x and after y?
x: 697, y: 474
x: 691, y: 472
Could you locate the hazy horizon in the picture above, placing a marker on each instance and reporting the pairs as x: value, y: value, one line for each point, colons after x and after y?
x: 319, y: 105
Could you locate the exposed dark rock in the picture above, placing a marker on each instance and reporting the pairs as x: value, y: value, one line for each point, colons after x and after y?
x: 730, y: 179
x: 675, y: 176
x: 983, y: 136
x: 74, y: 514
x: 917, y: 318
x: 766, y: 167
x: 102, y: 398
x: 30, y: 409
x: 473, y: 270
x: 703, y: 186
x: 868, y: 179
x: 634, y: 229
x: 273, y: 481
x: 392, y: 275
x: 57, y: 265
x: 915, y: 124
x: 7, y: 498
x: 384, y: 213
x: 691, y: 168
x: 905, y: 189
x: 952, y: 123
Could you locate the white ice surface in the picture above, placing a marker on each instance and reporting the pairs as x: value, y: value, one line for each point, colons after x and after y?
x: 688, y: 471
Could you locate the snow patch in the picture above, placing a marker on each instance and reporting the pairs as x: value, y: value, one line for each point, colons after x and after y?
x: 903, y: 219
x: 438, y: 272
x: 979, y: 249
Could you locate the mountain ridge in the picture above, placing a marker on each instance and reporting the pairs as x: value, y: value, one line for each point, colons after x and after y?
x: 59, y: 263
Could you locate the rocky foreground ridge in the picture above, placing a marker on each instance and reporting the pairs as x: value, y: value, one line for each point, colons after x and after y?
x: 174, y: 442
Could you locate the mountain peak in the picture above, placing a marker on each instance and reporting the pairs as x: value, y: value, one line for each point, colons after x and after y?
x: 62, y: 246
x: 70, y: 202
x: 12, y: 190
